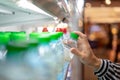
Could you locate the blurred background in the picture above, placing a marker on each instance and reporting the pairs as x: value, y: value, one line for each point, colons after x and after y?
x: 102, y: 26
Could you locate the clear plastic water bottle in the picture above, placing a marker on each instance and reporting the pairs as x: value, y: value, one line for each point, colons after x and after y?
x: 62, y: 63
x: 47, y: 57
x: 60, y: 53
x: 4, y: 39
x: 14, y: 58
x: 40, y: 57
x: 32, y: 56
x: 57, y: 51
x: 69, y: 43
x: 16, y: 47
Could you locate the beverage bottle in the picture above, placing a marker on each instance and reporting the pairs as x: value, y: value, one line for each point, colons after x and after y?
x: 38, y: 57
x: 14, y: 59
x: 56, y: 49
x: 4, y: 39
x: 60, y: 53
x: 54, y: 41
x: 69, y: 41
x: 47, y: 56
x: 32, y: 58
x: 62, y: 65
x: 16, y: 47
x: 32, y: 55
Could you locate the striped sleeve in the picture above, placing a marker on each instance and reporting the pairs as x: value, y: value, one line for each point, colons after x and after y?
x: 108, y: 71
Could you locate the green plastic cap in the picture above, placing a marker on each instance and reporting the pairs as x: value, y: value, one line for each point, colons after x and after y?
x: 18, y: 40
x: 45, y: 33
x: 33, y: 38
x: 4, y: 39
x: 34, y: 35
x: 8, y: 33
x: 22, y: 32
x: 44, y: 39
x: 60, y: 34
x: 74, y: 35
x: 54, y: 36
x: 18, y: 37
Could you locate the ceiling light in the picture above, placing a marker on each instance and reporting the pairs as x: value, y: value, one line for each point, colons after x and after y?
x: 108, y: 2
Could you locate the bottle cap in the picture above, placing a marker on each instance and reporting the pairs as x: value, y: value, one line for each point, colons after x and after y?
x: 60, y: 34
x: 44, y: 39
x: 34, y: 35
x: 74, y: 35
x: 33, y: 38
x: 4, y: 38
x: 18, y: 37
x: 54, y: 36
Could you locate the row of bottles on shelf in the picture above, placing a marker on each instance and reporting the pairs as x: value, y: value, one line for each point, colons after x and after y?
x: 42, y: 56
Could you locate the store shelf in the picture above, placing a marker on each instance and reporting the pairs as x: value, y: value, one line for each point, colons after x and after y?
x: 15, y: 15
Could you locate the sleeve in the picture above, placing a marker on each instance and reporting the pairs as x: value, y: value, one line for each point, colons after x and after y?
x: 108, y: 71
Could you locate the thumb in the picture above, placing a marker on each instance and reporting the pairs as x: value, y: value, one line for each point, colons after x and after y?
x: 75, y: 51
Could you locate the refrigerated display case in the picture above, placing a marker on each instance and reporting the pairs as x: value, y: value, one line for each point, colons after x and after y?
x: 28, y: 15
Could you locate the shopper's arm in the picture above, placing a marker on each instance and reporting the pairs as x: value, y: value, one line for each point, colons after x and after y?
x: 104, y: 69
x: 108, y: 71
x: 85, y: 53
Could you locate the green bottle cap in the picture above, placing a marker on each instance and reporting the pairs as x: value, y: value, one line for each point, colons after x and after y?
x: 1, y: 32
x: 8, y: 33
x: 54, y: 36
x: 33, y: 38
x: 74, y: 35
x: 61, y: 34
x: 18, y: 37
x: 4, y: 39
x: 21, y: 32
x: 34, y: 35
x: 44, y: 39
x: 45, y: 33
x: 18, y: 40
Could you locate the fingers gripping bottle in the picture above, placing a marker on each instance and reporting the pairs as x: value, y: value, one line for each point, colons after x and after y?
x: 70, y: 43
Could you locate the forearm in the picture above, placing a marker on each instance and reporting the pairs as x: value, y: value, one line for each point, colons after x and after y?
x: 108, y: 71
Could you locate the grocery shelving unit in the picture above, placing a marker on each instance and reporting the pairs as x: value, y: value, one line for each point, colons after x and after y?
x: 11, y: 14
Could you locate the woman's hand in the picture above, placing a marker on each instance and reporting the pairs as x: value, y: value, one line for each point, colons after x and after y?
x: 85, y: 53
